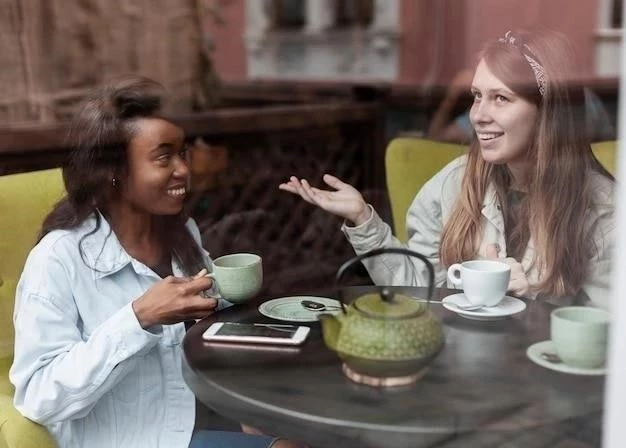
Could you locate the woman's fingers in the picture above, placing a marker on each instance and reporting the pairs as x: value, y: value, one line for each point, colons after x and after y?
x: 306, y: 187
x: 318, y: 197
x: 518, y: 283
x: 519, y: 286
x: 492, y: 251
x: 302, y: 188
x: 196, y: 285
x: 292, y: 185
x: 287, y: 186
x: 297, y: 187
x: 306, y: 193
x: 201, y: 306
x: 343, y: 200
x: 334, y: 182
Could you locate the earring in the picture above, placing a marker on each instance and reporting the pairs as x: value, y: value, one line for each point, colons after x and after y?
x: 114, y: 182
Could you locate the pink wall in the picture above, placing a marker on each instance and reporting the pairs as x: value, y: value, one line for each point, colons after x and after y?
x: 464, y: 25
x: 438, y: 37
x: 432, y: 40
x: 494, y: 17
x: 416, y: 50
x: 229, y: 56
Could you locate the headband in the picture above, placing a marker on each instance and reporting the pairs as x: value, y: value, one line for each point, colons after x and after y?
x: 536, y: 67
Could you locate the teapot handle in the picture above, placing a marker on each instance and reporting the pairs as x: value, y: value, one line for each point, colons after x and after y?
x: 387, y: 294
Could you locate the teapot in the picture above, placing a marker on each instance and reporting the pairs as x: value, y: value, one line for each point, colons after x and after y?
x: 383, y: 338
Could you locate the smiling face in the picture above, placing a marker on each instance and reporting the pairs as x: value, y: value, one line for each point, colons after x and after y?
x: 158, y: 173
x: 504, y: 121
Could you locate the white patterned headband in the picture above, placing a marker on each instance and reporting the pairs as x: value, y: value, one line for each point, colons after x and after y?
x: 537, y: 68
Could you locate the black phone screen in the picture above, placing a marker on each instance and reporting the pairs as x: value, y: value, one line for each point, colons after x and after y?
x: 268, y: 331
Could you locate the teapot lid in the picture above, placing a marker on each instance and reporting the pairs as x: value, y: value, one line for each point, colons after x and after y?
x: 399, y: 307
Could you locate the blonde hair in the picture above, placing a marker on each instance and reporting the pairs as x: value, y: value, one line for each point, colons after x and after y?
x: 553, y: 212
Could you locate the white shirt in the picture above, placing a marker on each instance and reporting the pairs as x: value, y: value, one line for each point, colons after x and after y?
x: 430, y: 211
x: 83, y: 366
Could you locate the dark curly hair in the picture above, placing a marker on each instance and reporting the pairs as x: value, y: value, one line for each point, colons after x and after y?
x: 99, y: 134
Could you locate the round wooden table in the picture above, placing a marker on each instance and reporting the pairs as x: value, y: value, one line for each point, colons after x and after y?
x: 481, y: 387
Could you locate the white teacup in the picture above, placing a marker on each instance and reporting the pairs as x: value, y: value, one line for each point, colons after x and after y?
x: 484, y: 282
x: 580, y: 335
x: 239, y: 277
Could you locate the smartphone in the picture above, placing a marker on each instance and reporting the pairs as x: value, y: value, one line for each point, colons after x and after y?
x: 256, y: 333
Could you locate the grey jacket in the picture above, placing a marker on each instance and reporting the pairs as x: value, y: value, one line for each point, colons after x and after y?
x: 429, y: 212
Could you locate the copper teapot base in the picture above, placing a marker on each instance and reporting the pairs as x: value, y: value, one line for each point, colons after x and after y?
x: 374, y: 381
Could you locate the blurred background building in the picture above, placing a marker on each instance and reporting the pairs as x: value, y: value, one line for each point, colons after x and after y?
x: 51, y: 51
x: 417, y: 42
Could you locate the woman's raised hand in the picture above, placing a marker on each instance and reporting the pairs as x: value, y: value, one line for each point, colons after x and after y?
x: 345, y: 202
x: 175, y: 299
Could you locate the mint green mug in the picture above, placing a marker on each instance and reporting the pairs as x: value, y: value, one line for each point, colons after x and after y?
x: 238, y: 277
x: 580, y: 335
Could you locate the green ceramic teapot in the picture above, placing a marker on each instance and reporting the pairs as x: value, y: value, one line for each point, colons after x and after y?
x: 384, y: 338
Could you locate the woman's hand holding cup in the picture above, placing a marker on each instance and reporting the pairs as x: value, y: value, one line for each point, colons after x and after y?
x: 518, y: 284
x: 484, y: 282
x: 237, y: 277
x: 345, y: 202
x: 175, y: 299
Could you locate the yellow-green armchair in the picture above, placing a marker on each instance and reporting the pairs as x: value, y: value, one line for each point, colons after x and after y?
x: 25, y: 199
x: 410, y: 162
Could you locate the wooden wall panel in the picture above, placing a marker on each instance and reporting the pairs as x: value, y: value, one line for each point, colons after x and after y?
x: 53, y: 51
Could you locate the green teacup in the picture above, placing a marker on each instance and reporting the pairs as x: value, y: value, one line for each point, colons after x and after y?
x: 580, y: 335
x: 239, y: 277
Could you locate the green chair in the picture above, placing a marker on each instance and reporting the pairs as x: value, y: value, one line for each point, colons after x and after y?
x: 410, y: 162
x: 606, y: 153
x: 25, y: 199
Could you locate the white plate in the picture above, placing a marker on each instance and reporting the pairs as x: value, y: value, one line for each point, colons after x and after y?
x: 507, y: 307
x: 290, y: 308
x: 534, y: 353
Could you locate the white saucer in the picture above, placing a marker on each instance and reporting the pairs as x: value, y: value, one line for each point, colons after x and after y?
x: 290, y: 308
x: 507, y: 307
x: 534, y: 353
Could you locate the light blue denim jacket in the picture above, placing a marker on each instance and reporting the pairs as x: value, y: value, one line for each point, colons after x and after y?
x: 83, y: 366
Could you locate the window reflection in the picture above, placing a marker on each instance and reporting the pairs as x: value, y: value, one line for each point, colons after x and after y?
x: 353, y: 12
x: 616, y: 14
x: 287, y: 13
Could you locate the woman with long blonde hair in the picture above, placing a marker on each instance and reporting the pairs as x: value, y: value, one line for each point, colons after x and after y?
x: 529, y: 192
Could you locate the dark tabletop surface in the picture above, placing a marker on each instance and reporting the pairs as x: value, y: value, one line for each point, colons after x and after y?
x: 481, y: 382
